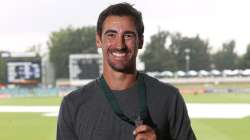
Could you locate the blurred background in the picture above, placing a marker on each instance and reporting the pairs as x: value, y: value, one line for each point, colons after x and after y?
x: 47, y: 49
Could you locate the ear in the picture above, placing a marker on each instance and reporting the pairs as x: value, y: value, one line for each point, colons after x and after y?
x: 98, y: 41
x: 141, y: 41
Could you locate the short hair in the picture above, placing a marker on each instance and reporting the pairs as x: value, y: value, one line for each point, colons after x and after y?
x: 121, y: 9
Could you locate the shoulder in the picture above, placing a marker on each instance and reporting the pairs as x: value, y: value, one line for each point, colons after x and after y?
x: 154, y: 84
x: 161, y: 92
x: 82, y: 94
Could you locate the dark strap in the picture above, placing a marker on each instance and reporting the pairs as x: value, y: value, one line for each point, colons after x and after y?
x: 144, y: 114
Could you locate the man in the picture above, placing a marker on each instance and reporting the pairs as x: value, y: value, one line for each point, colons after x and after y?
x: 123, y: 104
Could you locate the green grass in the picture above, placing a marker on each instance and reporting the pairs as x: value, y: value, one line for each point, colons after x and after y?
x: 27, y: 126
x: 222, y: 129
x: 31, y: 101
x: 217, y: 98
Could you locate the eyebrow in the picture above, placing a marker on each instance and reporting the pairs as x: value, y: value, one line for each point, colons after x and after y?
x: 114, y: 31
x: 110, y: 31
x: 130, y: 32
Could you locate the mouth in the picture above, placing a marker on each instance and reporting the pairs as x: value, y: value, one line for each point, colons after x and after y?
x: 119, y: 54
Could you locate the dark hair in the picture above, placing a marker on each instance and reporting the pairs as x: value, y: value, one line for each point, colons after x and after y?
x: 121, y: 9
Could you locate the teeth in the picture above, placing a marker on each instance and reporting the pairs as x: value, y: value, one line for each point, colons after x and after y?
x: 118, y: 54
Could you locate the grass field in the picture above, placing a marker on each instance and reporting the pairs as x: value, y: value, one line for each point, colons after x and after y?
x: 34, y: 126
x: 27, y: 126
x: 32, y: 101
x: 222, y: 129
x: 217, y: 98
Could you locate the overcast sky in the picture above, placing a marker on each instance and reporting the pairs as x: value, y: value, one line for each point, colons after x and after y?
x: 24, y: 23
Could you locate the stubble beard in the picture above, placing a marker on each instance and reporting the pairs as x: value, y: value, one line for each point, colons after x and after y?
x: 124, y: 67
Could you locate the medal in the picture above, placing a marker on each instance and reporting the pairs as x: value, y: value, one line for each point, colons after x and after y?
x: 138, y: 121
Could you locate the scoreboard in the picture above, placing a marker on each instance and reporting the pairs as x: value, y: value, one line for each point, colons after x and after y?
x: 23, y: 70
x: 84, y: 66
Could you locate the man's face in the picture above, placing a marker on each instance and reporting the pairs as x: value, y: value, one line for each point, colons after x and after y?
x: 119, y: 42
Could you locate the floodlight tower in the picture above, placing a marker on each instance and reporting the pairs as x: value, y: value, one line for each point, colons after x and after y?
x: 187, y: 58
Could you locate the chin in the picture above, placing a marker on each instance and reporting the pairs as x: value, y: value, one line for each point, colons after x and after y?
x: 123, y: 69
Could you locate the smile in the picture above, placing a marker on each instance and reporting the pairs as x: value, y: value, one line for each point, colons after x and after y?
x: 118, y: 54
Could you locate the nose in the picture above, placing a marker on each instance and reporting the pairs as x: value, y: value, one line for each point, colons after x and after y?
x: 121, y: 42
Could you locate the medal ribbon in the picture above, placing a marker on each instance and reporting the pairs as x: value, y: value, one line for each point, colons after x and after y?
x: 144, y: 113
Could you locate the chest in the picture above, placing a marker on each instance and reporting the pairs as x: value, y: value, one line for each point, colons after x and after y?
x: 96, y: 120
x: 100, y: 123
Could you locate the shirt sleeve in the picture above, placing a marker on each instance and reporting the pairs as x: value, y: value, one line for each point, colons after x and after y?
x: 65, y: 125
x: 179, y: 122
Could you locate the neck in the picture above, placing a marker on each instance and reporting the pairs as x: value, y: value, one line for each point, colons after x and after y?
x: 119, y: 80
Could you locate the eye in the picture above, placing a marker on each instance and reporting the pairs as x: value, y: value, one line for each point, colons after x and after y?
x: 111, y: 35
x: 128, y: 36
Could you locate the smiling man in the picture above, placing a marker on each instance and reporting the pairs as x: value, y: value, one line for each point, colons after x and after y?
x: 123, y: 104
x: 119, y: 41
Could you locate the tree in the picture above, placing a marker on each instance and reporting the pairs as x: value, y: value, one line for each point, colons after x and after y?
x: 245, y: 60
x: 198, y: 52
x: 156, y: 57
x: 226, y: 58
x: 2, y: 70
x: 68, y: 41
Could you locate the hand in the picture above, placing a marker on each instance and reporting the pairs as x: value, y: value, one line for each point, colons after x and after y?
x: 144, y: 132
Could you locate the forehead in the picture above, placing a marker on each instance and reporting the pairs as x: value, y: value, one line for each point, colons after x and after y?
x: 119, y: 23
